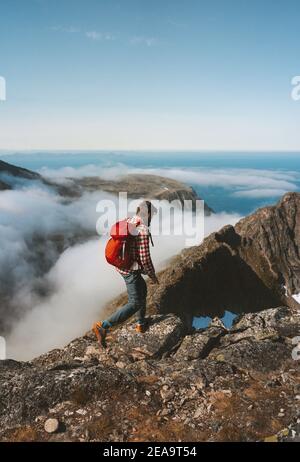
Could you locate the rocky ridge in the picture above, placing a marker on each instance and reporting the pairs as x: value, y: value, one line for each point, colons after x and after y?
x: 247, y: 268
x: 19, y: 172
x: 214, y: 384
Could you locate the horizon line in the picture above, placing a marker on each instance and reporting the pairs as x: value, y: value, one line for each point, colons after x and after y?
x: 5, y: 151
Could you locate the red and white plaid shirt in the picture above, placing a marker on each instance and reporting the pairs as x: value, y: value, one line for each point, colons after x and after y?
x: 140, y: 250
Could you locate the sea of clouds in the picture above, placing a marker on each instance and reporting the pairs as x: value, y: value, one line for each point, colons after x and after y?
x: 239, y: 182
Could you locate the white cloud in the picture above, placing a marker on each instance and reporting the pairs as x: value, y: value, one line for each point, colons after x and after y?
x: 90, y: 34
x: 81, y: 286
x: 228, y: 178
x: 28, y: 214
x: 141, y: 40
x: 245, y: 182
x: 253, y: 183
x: 261, y: 193
x: 94, y: 35
x: 107, y: 173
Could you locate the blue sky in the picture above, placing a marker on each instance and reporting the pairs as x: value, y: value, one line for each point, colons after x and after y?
x: 103, y: 74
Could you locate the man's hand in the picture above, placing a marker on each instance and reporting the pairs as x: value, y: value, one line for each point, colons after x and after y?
x: 154, y: 280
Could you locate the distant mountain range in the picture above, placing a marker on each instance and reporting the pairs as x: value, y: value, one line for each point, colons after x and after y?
x: 136, y: 186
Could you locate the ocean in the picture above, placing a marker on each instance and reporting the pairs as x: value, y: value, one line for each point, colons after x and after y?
x: 238, y: 182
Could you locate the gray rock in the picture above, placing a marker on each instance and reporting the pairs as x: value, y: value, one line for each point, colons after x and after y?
x: 199, y: 344
x: 232, y: 373
x: 51, y: 425
x: 164, y: 333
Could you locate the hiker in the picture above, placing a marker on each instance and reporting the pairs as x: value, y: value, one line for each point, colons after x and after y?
x: 140, y: 263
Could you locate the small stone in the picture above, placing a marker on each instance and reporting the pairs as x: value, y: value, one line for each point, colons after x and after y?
x: 297, y: 389
x: 281, y: 414
x: 192, y: 394
x: 200, y: 384
x: 120, y: 364
x: 81, y: 412
x: 51, y: 425
x: 148, y: 393
x: 227, y: 392
x: 166, y: 394
x: 91, y: 351
x: 198, y: 413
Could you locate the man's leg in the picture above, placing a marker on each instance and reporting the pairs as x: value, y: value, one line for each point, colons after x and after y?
x: 142, y: 293
x: 135, y: 291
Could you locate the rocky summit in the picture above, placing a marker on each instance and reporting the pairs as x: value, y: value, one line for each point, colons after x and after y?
x: 214, y: 384
x: 175, y: 383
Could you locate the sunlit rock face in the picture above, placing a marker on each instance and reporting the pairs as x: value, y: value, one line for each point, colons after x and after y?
x: 271, y: 242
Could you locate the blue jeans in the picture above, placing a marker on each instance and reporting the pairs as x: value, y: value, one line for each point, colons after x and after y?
x: 137, y: 293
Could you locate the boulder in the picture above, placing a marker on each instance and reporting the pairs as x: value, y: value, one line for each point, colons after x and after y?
x: 199, y: 344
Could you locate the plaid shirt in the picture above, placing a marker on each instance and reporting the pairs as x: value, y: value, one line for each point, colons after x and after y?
x: 140, y: 250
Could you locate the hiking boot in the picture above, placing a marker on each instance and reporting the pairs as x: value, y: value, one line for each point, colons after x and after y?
x: 100, y: 333
x: 141, y: 328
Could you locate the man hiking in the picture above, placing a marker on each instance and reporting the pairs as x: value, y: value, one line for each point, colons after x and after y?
x: 135, y: 283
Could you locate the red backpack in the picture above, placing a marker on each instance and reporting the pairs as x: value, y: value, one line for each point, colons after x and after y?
x: 118, y: 248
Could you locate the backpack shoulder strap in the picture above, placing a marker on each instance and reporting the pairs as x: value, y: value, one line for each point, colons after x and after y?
x: 150, y: 235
